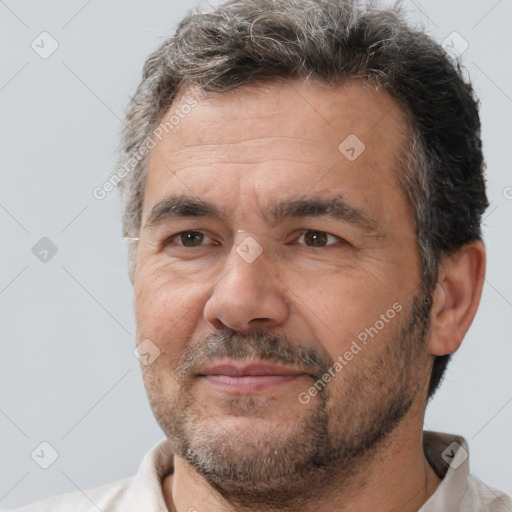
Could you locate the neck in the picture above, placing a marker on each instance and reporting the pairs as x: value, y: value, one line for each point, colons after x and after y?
x: 396, y: 477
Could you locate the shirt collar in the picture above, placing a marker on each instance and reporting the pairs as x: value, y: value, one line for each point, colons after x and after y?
x: 146, y: 493
x: 448, y: 455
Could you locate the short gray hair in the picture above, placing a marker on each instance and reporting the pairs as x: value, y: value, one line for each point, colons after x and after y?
x: 251, y: 42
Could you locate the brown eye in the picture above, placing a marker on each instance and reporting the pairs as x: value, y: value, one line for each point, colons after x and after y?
x: 189, y: 238
x: 314, y: 238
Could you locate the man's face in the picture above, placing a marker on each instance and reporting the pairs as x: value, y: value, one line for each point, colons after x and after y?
x: 297, y: 250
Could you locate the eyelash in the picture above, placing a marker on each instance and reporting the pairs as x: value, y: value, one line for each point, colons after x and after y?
x: 169, y: 240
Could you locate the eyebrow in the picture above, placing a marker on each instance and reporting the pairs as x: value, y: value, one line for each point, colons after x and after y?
x: 332, y: 207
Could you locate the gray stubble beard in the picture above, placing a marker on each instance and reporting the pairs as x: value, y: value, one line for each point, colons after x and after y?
x: 296, y: 464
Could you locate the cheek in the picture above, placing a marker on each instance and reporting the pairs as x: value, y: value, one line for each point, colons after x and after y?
x: 345, y: 307
x: 353, y: 318
x: 161, y: 292
x: 166, y: 311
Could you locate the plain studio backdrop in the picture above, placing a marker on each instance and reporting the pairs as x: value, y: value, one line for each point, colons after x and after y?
x: 69, y: 378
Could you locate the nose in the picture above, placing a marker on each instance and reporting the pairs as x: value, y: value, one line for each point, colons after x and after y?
x: 248, y: 294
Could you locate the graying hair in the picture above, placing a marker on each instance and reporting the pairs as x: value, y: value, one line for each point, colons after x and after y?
x: 250, y: 42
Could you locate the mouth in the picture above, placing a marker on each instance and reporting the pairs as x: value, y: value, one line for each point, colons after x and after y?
x: 249, y: 378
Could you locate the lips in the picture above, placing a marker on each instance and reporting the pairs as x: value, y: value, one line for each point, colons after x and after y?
x: 248, y: 378
x: 254, y: 369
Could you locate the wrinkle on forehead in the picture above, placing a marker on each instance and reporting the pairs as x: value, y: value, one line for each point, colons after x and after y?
x: 303, y: 122
x: 254, y: 150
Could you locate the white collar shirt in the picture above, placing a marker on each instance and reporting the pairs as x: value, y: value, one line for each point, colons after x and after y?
x: 459, y: 490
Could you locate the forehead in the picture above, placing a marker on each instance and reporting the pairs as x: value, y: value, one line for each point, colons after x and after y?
x: 298, y: 108
x: 278, y: 139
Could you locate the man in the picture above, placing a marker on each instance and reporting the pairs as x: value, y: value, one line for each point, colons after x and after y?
x: 303, y: 187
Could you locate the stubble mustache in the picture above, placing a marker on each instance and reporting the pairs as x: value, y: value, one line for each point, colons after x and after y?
x: 257, y: 345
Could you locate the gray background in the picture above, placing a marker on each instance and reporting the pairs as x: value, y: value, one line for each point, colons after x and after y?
x: 68, y: 374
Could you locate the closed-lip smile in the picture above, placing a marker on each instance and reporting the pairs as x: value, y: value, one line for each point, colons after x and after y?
x: 246, y: 378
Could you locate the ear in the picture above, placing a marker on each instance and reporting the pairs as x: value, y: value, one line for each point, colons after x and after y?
x: 456, y: 297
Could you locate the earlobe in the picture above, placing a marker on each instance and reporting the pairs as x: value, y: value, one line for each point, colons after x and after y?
x: 456, y: 297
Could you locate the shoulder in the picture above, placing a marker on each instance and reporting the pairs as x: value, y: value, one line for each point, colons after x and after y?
x: 460, y: 490
x: 109, y: 497
x: 140, y: 492
x: 484, y: 498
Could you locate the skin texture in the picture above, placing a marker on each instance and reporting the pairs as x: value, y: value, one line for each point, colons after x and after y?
x: 242, y: 151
